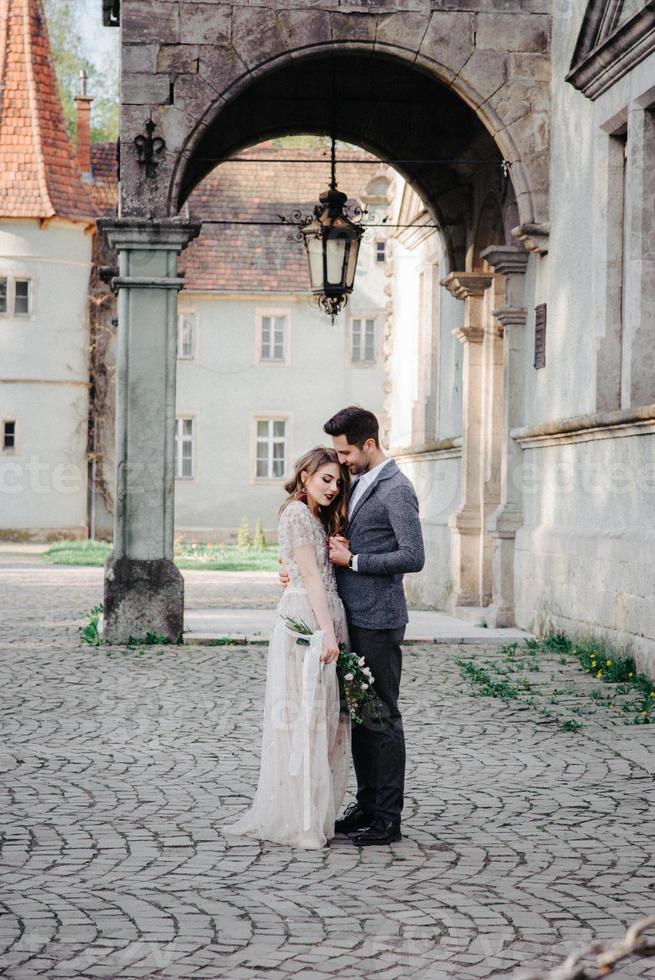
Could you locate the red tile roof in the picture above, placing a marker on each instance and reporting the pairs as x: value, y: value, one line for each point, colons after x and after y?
x: 38, y: 172
x: 252, y: 258
x: 104, y: 188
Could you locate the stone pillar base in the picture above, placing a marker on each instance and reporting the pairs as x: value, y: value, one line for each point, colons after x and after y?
x: 499, y: 616
x: 143, y: 597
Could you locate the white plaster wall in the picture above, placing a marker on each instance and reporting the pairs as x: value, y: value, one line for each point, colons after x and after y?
x: 43, y: 378
x: 584, y: 558
x: 436, y: 476
x: 437, y: 483
x: 403, y: 362
x: 52, y: 342
x: 566, y: 386
x: 226, y: 387
x: 449, y: 416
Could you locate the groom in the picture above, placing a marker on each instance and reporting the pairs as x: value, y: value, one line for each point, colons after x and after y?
x: 383, y: 540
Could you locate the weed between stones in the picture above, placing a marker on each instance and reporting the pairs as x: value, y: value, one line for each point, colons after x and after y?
x: 630, y: 698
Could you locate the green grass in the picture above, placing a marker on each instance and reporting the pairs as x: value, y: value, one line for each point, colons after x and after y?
x: 77, y: 553
x: 223, y: 558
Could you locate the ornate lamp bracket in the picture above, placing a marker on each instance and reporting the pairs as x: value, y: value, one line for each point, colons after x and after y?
x: 149, y: 148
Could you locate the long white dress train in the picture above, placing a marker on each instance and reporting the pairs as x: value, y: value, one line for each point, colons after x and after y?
x: 305, y: 753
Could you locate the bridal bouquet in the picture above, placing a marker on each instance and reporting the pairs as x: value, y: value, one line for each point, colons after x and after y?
x: 356, y: 689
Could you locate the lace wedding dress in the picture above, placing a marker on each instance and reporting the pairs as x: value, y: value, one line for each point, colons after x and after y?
x: 306, y: 741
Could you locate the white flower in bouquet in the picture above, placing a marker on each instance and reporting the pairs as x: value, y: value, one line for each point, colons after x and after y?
x: 361, y: 661
x: 364, y: 687
x: 349, y: 677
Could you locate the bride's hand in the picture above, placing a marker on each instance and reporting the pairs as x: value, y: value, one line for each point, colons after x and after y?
x: 330, y: 648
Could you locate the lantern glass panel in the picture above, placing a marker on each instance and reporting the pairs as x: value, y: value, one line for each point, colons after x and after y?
x: 353, y: 252
x: 335, y: 248
x: 315, y: 256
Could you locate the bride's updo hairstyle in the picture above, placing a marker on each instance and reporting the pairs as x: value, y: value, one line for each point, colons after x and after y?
x: 334, y: 517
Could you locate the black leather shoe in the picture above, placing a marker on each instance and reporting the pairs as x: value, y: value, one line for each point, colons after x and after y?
x: 381, y: 831
x: 354, y: 819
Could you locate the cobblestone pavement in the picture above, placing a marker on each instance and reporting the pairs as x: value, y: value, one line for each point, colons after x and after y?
x: 118, y: 768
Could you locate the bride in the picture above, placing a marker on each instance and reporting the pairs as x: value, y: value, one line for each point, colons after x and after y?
x: 306, y: 740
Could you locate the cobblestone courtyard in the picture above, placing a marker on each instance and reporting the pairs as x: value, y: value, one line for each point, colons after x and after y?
x: 118, y: 767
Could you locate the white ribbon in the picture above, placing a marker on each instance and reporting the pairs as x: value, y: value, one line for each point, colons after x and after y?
x: 312, y: 687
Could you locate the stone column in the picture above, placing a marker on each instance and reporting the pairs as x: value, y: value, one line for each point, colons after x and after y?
x: 511, y: 262
x: 144, y: 590
x: 466, y: 522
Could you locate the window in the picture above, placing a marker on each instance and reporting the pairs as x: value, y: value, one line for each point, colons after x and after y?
x: 15, y: 296
x: 273, y: 338
x: 186, y: 335
x: 22, y: 297
x: 8, y: 436
x: 271, y: 449
x: 363, y: 340
x: 185, y: 448
x: 380, y: 251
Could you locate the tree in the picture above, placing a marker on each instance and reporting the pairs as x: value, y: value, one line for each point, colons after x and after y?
x: 70, y: 52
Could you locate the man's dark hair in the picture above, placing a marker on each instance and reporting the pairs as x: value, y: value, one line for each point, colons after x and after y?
x: 356, y: 424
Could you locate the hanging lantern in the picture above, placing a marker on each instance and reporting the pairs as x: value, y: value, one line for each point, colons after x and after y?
x: 332, y: 241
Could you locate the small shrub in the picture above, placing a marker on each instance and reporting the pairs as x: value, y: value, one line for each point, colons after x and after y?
x: 260, y: 538
x: 244, y: 537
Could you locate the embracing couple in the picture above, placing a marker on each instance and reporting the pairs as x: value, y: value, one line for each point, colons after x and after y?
x: 345, y: 546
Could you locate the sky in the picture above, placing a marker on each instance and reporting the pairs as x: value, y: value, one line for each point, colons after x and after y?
x: 98, y: 39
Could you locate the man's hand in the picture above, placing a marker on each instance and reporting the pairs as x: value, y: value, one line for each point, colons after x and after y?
x: 283, y: 575
x: 340, y: 538
x: 339, y: 551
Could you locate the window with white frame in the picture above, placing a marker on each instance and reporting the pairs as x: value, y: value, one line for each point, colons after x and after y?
x: 186, y: 335
x: 363, y: 340
x: 22, y: 296
x: 15, y: 296
x: 185, y: 448
x: 271, y: 449
x: 8, y: 435
x: 273, y: 338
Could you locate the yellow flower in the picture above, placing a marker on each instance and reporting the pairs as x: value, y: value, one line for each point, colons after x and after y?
x: 630, y: 675
x: 593, y: 663
x: 599, y: 674
x: 652, y: 694
x: 609, y: 663
x: 644, y: 713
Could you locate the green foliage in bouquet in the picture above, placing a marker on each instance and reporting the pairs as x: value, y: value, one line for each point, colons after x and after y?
x: 356, y: 691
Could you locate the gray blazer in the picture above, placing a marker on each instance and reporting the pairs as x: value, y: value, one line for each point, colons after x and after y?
x: 385, y: 532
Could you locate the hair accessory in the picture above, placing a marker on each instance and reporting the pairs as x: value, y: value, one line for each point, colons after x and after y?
x: 303, y: 496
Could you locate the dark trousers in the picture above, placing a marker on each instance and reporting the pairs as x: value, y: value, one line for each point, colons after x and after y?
x: 378, y: 745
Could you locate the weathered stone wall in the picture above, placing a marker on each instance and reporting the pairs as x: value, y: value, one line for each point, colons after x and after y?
x: 184, y: 60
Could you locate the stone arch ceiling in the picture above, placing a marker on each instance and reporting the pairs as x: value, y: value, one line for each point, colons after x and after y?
x: 447, y: 84
x: 391, y: 110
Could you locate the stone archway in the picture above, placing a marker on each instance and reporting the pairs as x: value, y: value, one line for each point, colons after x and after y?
x: 431, y: 91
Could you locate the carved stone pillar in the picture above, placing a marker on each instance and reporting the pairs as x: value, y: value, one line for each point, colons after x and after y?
x: 511, y: 262
x: 466, y: 521
x: 144, y: 591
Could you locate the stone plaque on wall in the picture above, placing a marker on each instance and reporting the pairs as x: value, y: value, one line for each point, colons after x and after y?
x: 540, y: 336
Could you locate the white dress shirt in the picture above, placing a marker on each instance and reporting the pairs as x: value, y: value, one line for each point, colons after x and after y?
x: 361, y: 486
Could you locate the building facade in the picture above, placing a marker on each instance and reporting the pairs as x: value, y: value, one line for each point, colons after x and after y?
x: 47, y: 220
